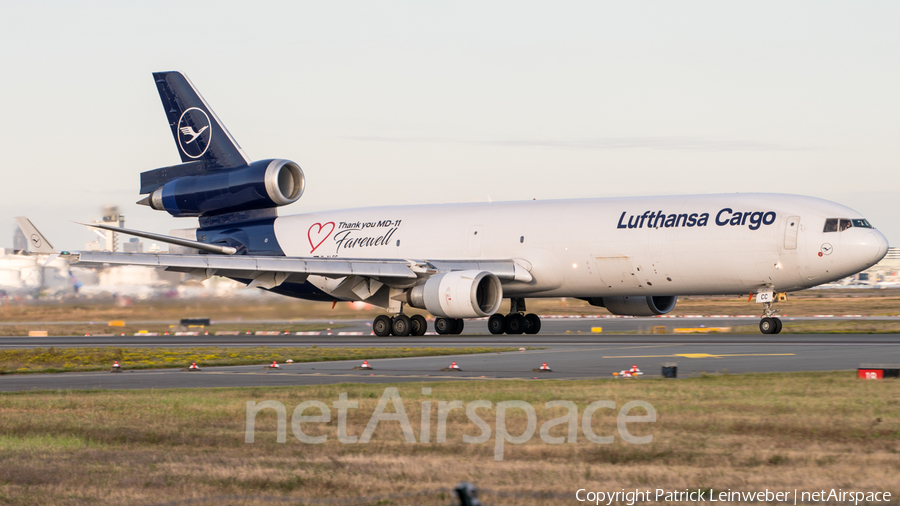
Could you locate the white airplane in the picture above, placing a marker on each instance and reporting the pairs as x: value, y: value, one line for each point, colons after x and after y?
x: 633, y: 256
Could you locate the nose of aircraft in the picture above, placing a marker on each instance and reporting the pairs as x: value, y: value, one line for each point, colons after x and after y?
x: 873, y: 248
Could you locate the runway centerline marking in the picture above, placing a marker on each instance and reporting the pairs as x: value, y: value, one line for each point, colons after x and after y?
x: 707, y: 355
x: 578, y: 350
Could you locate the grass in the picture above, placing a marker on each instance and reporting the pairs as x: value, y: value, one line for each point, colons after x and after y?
x: 43, y: 360
x: 99, y: 328
x: 809, y: 431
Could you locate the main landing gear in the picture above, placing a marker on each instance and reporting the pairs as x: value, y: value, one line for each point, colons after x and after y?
x: 449, y: 325
x: 515, y: 322
x: 770, y: 324
x: 400, y: 325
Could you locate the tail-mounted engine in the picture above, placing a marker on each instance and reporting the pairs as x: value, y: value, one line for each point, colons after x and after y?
x: 215, y: 176
x: 636, y: 306
x: 458, y: 294
x: 191, y: 190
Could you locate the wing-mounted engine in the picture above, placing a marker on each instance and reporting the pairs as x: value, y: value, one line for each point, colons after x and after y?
x: 458, y: 294
x: 636, y: 306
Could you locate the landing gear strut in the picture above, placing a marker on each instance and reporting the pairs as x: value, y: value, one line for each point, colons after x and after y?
x: 770, y: 324
x: 515, y: 322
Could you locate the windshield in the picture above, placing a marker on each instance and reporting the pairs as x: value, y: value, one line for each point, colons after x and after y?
x: 841, y: 224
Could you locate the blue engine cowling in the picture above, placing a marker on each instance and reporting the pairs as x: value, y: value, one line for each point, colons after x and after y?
x: 262, y: 184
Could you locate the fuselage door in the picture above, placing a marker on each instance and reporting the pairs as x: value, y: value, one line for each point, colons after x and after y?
x: 790, y: 232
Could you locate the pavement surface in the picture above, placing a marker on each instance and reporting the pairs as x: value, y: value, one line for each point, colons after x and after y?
x: 359, y: 332
x: 571, y: 356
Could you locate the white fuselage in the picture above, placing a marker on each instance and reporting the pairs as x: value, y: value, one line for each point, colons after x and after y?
x: 702, y: 244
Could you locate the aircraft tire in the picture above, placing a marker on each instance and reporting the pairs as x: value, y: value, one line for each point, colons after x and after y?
x: 497, y: 323
x: 444, y: 325
x: 381, y: 326
x: 777, y: 325
x: 532, y: 323
x: 768, y: 325
x: 458, y: 325
x: 401, y: 325
x: 419, y: 325
x: 515, y: 324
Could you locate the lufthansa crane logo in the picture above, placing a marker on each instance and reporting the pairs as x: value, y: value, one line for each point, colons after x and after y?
x: 36, y: 240
x: 194, y: 132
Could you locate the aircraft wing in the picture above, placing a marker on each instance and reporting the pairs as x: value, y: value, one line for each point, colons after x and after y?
x: 358, y: 278
x: 271, y: 271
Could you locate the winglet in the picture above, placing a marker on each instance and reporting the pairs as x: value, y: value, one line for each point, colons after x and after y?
x: 36, y: 241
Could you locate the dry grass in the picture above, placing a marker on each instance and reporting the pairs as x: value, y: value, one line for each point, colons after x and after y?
x: 806, y: 303
x: 744, y: 432
x: 218, y: 309
x: 43, y: 360
x: 101, y: 327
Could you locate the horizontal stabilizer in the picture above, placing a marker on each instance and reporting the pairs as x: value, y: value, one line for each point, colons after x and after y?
x: 202, y: 246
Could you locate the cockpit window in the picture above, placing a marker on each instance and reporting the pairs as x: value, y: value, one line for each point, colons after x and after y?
x: 841, y: 224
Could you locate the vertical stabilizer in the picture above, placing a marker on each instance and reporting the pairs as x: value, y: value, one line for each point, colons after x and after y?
x: 37, y: 243
x: 199, y: 135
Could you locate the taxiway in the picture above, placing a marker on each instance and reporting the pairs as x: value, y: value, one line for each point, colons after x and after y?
x: 571, y: 357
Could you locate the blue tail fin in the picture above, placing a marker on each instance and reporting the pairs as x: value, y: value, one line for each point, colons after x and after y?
x: 199, y: 135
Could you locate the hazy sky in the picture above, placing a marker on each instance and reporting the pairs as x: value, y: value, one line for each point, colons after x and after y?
x: 417, y: 102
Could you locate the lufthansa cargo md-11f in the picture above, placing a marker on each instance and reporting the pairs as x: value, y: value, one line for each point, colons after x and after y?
x: 633, y: 256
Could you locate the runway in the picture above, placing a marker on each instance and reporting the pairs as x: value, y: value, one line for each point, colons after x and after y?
x: 358, y: 333
x: 571, y: 357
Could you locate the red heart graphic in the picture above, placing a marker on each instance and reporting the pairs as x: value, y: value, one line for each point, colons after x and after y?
x: 309, y: 234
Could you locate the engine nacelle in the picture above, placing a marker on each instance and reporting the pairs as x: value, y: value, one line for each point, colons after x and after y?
x: 643, y: 305
x: 262, y: 184
x: 458, y: 294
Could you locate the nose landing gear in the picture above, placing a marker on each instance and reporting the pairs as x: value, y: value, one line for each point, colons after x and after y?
x: 770, y: 324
